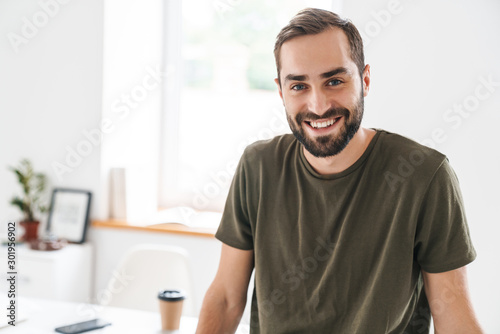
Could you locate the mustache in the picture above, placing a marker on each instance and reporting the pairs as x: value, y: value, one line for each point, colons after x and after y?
x: 332, y: 112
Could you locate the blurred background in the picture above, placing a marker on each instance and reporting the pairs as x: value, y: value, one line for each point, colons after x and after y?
x: 173, y: 91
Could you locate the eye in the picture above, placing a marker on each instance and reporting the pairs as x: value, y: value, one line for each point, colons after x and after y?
x: 334, y: 82
x: 298, y: 87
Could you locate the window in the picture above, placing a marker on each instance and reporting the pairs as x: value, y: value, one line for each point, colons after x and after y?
x: 221, y: 94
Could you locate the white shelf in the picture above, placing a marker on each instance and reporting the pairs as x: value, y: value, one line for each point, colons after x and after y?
x: 64, y: 274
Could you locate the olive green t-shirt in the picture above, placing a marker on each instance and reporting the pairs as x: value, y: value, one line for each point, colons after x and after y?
x: 343, y: 253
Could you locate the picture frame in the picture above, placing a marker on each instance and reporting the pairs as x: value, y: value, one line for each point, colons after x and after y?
x: 69, y: 214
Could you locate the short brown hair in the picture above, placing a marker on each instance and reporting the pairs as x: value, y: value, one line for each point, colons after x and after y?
x: 311, y: 21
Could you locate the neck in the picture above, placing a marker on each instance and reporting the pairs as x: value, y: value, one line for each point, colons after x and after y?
x: 349, y: 155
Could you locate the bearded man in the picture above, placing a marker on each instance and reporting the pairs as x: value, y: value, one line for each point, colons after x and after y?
x: 349, y: 229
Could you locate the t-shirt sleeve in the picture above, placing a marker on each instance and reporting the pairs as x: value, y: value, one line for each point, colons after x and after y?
x: 442, y: 240
x: 235, y: 228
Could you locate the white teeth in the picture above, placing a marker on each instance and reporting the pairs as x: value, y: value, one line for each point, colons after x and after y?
x: 319, y: 125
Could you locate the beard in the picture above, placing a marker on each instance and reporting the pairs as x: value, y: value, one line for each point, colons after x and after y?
x: 327, y: 146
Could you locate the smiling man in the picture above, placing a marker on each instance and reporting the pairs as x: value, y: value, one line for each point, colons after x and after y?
x: 349, y: 230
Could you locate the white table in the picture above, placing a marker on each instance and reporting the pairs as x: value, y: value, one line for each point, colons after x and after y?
x: 43, y: 316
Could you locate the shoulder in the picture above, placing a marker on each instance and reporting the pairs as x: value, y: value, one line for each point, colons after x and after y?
x: 272, y: 149
x: 402, y: 158
x: 397, y: 148
x: 394, y: 143
x: 267, y: 158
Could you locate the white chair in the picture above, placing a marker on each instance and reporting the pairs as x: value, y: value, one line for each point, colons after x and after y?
x: 145, y: 270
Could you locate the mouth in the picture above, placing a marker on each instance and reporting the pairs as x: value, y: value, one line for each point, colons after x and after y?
x: 323, y: 124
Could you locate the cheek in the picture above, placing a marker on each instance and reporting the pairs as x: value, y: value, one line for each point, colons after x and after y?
x: 294, y: 104
x: 347, y: 98
x: 290, y: 106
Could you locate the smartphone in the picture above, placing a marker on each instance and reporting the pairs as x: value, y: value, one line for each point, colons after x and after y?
x: 83, y: 326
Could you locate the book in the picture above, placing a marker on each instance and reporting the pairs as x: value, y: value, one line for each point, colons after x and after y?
x: 132, y: 194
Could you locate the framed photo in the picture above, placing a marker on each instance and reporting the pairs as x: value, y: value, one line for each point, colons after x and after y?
x: 69, y: 214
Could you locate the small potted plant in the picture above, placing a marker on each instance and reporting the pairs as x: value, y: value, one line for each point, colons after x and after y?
x: 33, y: 186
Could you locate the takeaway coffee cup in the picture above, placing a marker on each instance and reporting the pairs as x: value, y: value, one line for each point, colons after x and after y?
x: 171, y: 308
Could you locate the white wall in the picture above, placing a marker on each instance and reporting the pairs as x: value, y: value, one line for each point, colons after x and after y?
x: 133, y: 76
x: 427, y: 58
x: 50, y: 92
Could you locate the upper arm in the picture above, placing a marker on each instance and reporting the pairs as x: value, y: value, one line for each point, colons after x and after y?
x: 233, y: 274
x: 442, y: 239
x: 449, y: 300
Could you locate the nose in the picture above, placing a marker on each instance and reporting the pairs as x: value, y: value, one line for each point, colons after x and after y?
x: 318, y: 102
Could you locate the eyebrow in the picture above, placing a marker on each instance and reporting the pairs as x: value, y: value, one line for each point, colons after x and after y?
x: 335, y: 71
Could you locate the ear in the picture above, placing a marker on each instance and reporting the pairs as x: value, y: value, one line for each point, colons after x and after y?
x: 366, y: 80
x: 279, y: 88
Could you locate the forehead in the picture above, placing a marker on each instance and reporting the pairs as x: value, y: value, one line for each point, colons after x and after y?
x: 315, y: 54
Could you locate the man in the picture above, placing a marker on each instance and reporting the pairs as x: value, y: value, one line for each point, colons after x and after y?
x: 350, y: 230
